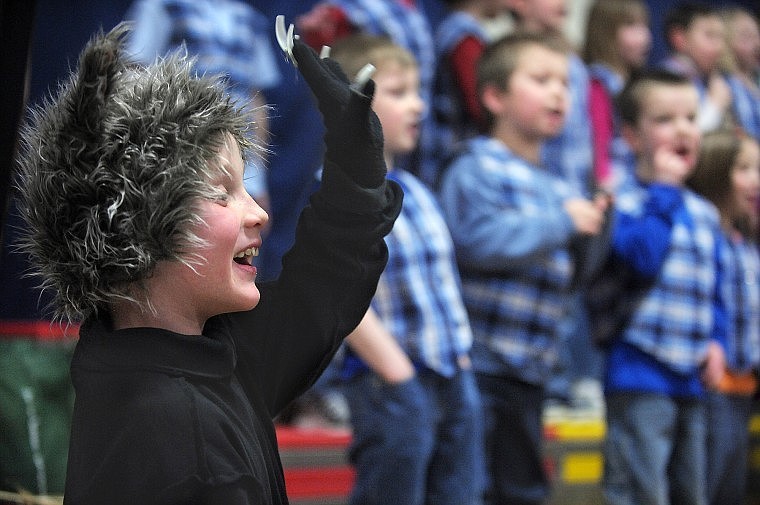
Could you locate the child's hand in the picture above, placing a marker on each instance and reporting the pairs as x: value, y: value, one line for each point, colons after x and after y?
x: 670, y: 167
x: 714, y: 365
x: 587, y: 215
x: 353, y: 137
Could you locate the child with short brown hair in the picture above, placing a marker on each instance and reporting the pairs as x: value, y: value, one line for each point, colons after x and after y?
x: 513, y: 220
x: 663, y: 356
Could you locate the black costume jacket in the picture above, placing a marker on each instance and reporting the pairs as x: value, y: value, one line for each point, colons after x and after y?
x: 163, y: 418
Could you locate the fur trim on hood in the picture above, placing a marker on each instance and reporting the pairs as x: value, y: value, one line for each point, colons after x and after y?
x: 110, y: 169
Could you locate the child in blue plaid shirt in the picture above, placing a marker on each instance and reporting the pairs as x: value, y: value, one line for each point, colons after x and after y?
x: 660, y: 361
x: 415, y: 408
x: 728, y: 174
x: 512, y: 222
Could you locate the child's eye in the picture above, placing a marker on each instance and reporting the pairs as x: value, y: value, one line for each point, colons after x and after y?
x: 220, y: 194
x: 397, y: 92
x: 661, y: 119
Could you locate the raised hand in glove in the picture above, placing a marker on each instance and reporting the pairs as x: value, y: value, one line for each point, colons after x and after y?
x: 353, y: 136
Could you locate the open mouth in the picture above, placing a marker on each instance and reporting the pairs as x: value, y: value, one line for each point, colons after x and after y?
x: 246, y: 256
x: 683, y: 151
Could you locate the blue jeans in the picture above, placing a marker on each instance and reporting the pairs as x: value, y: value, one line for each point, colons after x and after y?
x: 655, y: 451
x: 513, y: 441
x: 418, y: 442
x: 727, y: 448
x: 578, y: 357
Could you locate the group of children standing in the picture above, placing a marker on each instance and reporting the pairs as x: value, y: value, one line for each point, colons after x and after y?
x: 525, y: 182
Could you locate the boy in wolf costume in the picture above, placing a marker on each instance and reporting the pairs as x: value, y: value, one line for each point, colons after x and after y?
x: 131, y: 184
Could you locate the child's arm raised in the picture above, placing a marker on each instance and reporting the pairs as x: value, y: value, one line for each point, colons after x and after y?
x: 353, y: 137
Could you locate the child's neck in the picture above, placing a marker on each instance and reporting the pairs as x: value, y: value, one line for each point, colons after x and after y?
x: 645, y: 174
x: 689, y: 65
x: 521, y: 145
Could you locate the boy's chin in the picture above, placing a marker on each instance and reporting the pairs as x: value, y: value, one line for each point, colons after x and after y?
x: 249, y: 302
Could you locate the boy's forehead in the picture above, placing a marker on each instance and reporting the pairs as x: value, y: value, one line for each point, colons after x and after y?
x: 227, y: 155
x: 659, y: 94
x: 705, y: 22
x: 392, y: 68
x: 532, y: 54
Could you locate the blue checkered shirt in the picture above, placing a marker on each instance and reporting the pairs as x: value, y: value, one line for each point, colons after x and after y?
x: 673, y: 322
x: 418, y: 296
x: 449, y: 124
x: 739, y: 292
x: 228, y: 37
x: 511, y: 234
x: 746, y: 105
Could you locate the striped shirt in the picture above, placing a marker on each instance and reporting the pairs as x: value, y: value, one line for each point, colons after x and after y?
x: 228, y: 37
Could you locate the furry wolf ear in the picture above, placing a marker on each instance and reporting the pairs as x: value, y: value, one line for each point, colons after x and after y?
x: 100, y: 63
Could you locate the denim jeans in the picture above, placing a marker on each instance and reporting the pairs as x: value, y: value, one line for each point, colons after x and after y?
x: 513, y: 441
x: 727, y: 447
x: 418, y: 442
x: 578, y: 357
x: 655, y: 450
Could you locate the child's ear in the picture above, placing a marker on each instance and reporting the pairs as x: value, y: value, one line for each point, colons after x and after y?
x: 677, y: 38
x: 516, y: 6
x: 631, y: 135
x: 492, y: 99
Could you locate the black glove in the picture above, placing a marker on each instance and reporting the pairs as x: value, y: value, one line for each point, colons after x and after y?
x: 353, y: 136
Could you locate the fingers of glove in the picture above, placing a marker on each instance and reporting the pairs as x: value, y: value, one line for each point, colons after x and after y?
x: 368, y: 90
x: 337, y: 71
x: 361, y: 119
x: 327, y: 88
x: 316, y: 74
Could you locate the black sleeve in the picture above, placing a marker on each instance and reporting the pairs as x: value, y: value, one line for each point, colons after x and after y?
x: 232, y: 493
x: 328, y: 279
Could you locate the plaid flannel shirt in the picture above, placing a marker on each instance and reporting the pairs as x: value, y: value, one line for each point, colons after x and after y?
x: 674, y: 321
x: 511, y: 234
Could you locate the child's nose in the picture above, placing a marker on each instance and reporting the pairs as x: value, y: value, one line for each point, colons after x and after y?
x: 418, y: 104
x: 687, y: 125
x: 255, y: 215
